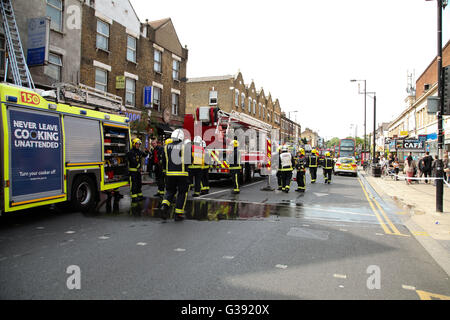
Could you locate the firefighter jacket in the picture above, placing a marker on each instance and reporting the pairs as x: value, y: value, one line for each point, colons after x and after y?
x: 177, y: 158
x: 235, y: 160
x: 328, y: 163
x: 300, y: 163
x: 287, y: 162
x: 134, y: 157
x: 208, y: 159
x: 198, y: 157
x: 313, y: 161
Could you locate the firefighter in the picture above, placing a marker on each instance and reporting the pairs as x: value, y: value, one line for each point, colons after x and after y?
x: 300, y: 165
x: 205, y: 170
x: 328, y: 165
x: 313, y: 160
x: 286, y: 168
x: 177, y: 157
x: 279, y: 179
x: 235, y: 165
x: 155, y: 165
x: 135, y: 156
x: 198, y: 161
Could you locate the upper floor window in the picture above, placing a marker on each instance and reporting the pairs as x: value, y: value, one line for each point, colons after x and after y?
x: 156, y: 98
x: 54, y: 11
x: 175, y: 103
x: 158, y: 61
x: 54, y: 67
x: 249, y: 105
x: 176, y: 70
x: 254, y: 106
x: 243, y: 100
x: 130, y: 94
x: 131, y: 49
x: 236, y: 98
x: 213, y: 98
x: 102, y: 35
x: 101, y: 79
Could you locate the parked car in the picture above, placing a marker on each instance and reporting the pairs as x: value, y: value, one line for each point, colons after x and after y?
x: 346, y: 165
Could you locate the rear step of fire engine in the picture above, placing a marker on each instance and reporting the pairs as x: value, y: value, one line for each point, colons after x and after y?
x: 16, y: 58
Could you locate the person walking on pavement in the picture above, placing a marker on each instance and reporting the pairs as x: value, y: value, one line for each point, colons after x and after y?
x: 205, y: 170
x: 279, y: 179
x: 198, y: 161
x: 135, y: 157
x: 410, y: 166
x: 234, y: 160
x: 434, y: 168
x: 287, y: 163
x: 427, y: 163
x: 328, y: 164
x: 300, y: 165
x: 155, y: 165
x: 177, y: 157
x: 313, y: 160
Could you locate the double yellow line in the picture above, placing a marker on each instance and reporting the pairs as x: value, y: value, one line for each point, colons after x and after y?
x: 394, y: 231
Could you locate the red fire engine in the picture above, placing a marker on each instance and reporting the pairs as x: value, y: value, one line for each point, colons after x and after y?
x: 218, y: 128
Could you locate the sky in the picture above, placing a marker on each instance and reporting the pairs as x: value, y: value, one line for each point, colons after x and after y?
x: 305, y: 52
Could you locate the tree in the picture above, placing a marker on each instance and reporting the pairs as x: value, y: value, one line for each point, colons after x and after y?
x: 333, y: 142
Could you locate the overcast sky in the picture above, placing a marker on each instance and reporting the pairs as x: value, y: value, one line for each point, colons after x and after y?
x: 304, y: 52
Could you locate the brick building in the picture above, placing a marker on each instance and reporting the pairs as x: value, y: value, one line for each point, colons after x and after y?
x: 144, y: 63
x: 229, y: 93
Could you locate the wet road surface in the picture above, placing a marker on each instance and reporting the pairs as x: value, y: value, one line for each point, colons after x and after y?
x: 337, y: 241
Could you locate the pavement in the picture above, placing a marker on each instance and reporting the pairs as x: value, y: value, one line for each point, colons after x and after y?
x: 417, y: 208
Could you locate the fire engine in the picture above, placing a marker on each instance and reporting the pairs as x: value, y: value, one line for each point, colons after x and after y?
x: 217, y: 128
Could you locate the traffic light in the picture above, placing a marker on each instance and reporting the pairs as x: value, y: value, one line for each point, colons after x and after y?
x: 446, y: 90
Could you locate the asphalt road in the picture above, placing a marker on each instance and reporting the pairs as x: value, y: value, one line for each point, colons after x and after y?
x: 337, y: 241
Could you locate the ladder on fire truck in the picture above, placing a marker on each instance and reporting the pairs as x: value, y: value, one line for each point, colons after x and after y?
x: 16, y: 58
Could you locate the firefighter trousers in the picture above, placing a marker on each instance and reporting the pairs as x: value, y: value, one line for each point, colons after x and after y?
x: 135, y: 185
x: 176, y: 184
x: 197, y: 180
x: 235, y: 178
x: 286, y: 177
x: 313, y: 173
x: 279, y: 180
x: 159, y: 178
x: 205, y: 180
x: 327, y: 175
x: 301, y: 180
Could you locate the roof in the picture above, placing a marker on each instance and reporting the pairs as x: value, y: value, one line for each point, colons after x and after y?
x: 158, y: 23
x: 212, y: 78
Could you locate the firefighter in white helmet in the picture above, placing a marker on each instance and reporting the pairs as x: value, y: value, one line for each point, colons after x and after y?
x: 287, y: 163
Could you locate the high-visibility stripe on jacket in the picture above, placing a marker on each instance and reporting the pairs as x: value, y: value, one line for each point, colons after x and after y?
x: 328, y: 163
x: 312, y: 161
x: 177, y: 159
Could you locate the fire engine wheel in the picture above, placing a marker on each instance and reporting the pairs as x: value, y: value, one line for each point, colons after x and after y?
x: 83, y: 194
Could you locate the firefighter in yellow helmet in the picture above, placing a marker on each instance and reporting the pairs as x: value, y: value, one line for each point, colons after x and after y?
x: 234, y: 160
x: 313, y: 161
x: 135, y: 157
x: 328, y: 164
x: 300, y: 165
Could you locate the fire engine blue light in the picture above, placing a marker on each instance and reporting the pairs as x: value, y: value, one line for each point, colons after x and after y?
x: 127, y: 120
x: 11, y: 99
x: 84, y: 112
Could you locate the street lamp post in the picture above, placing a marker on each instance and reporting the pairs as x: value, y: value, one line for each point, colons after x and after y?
x: 365, y: 100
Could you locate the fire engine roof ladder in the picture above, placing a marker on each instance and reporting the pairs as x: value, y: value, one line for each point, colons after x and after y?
x: 19, y: 68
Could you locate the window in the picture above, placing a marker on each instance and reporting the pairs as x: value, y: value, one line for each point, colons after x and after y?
x: 102, y: 35
x: 53, y: 69
x: 158, y: 61
x: 131, y: 49
x: 130, y: 92
x: 101, y: 79
x: 156, y: 98
x: 243, y: 100
x: 236, y: 98
x: 249, y: 105
x: 176, y: 69
x: 259, y: 109
x: 264, y: 112
x: 2, y: 52
x: 254, y: 106
x: 54, y: 11
x: 213, y: 98
x: 268, y: 116
x: 175, y: 101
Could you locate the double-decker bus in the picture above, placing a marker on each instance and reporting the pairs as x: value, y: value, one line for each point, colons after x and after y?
x: 347, y: 147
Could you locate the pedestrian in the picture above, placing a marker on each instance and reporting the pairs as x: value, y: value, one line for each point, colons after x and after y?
x: 198, y: 161
x: 287, y: 164
x: 396, y: 167
x: 135, y: 157
x: 312, y: 165
x: 300, y: 165
x: 420, y: 167
x: 177, y: 157
x: 234, y: 160
x: 328, y: 165
x: 410, y: 166
x: 427, y: 163
x: 434, y: 168
x: 155, y: 165
x: 445, y: 165
x: 205, y: 170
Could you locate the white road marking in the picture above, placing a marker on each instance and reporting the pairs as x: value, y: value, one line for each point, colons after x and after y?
x: 40, y: 228
x: 281, y: 266
x: 70, y: 232
x: 408, y: 287
x: 141, y: 243
x: 228, y: 257
x: 103, y: 238
x: 318, y: 194
x: 343, y: 230
x: 179, y: 250
x: 340, y: 276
